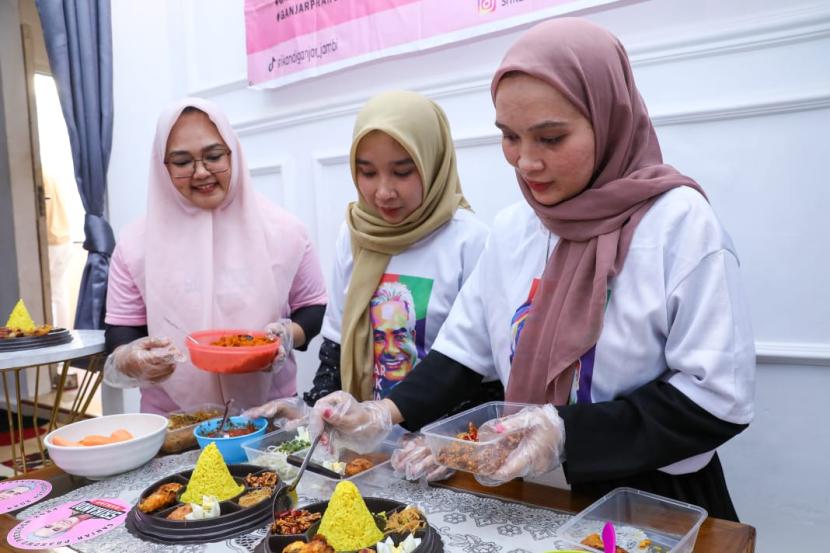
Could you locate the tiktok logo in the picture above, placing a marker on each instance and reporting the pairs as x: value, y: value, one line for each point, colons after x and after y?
x: 486, y: 6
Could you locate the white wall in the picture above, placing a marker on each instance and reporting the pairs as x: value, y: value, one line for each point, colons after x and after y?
x: 740, y: 93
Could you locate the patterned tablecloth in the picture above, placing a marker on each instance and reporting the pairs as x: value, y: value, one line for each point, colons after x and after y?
x: 467, y: 523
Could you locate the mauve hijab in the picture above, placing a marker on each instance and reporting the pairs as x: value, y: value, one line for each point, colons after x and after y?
x: 590, y: 67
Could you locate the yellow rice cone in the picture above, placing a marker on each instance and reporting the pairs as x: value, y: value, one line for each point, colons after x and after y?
x: 347, y: 523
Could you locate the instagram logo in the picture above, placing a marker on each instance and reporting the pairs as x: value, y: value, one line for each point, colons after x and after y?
x: 486, y: 6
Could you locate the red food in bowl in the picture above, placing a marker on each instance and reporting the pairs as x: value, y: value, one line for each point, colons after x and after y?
x: 230, y: 360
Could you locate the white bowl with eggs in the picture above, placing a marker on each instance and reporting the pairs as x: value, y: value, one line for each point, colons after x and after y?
x: 100, y: 461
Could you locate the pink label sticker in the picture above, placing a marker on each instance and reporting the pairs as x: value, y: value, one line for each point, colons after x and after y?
x: 16, y: 494
x: 70, y: 523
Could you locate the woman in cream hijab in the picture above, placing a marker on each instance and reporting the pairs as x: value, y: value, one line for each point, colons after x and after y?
x: 408, y: 244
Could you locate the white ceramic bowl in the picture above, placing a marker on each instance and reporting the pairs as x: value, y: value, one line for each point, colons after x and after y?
x: 100, y: 461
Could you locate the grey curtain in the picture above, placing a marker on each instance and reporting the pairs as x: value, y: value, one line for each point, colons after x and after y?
x: 78, y: 37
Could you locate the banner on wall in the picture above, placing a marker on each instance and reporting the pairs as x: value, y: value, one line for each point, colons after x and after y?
x: 290, y: 40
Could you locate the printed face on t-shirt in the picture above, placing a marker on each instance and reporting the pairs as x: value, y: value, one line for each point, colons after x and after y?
x: 394, y: 339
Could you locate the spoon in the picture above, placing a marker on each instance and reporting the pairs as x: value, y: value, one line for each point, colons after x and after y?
x: 609, y: 538
x: 180, y: 329
x: 287, y: 496
x: 224, y: 416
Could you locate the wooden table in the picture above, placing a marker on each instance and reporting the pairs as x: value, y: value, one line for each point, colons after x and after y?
x: 716, y: 536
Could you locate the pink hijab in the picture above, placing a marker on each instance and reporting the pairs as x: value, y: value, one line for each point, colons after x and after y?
x: 201, y: 269
x: 589, y: 66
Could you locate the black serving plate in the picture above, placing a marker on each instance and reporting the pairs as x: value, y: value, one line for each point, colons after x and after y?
x: 56, y: 337
x: 430, y: 539
x: 233, y: 520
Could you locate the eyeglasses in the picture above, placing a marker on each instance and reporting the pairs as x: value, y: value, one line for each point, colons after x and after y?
x: 216, y: 160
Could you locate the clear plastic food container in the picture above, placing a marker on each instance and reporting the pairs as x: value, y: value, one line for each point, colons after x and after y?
x: 643, y: 522
x: 470, y: 456
x: 264, y: 451
x: 318, y: 481
x: 180, y: 436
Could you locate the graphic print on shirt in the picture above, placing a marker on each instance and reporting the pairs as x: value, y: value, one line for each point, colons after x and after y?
x: 584, y: 366
x: 398, y: 313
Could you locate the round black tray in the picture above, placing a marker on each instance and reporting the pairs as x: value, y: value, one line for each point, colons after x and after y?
x: 55, y: 337
x: 430, y: 538
x: 233, y: 520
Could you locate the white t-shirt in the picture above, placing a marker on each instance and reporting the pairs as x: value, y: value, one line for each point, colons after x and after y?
x: 676, y: 311
x: 414, y: 297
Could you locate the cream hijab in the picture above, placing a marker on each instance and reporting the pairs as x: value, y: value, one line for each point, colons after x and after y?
x: 420, y: 126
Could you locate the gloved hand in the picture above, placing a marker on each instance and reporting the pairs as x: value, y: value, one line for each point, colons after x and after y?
x: 281, y: 329
x: 533, y: 442
x: 359, y: 426
x: 142, y: 362
x: 287, y: 413
x: 415, y: 460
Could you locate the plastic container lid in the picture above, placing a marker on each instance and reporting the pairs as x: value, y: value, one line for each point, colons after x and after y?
x: 230, y: 360
x: 670, y: 526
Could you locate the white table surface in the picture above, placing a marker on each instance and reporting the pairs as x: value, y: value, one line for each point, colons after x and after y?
x: 83, y: 344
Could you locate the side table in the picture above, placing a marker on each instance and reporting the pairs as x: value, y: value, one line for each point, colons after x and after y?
x: 85, y: 344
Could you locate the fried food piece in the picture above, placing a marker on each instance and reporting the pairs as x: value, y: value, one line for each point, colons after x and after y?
x: 318, y: 544
x: 595, y: 541
x: 257, y: 496
x: 161, y: 498
x: 294, y: 522
x: 181, y: 512
x: 356, y: 466
x: 264, y: 480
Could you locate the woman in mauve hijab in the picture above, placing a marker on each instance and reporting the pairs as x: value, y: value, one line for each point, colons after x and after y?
x: 210, y: 253
x: 610, y: 299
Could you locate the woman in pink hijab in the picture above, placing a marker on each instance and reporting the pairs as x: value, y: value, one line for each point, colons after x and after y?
x: 609, y: 300
x: 211, y: 252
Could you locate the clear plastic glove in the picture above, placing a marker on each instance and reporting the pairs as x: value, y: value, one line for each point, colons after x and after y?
x: 534, y: 440
x: 359, y: 426
x: 415, y: 460
x: 287, y: 413
x: 281, y: 329
x: 143, y: 362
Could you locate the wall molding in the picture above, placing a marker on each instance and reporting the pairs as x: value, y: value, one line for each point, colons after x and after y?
x: 261, y: 170
x: 792, y: 353
x: 769, y: 30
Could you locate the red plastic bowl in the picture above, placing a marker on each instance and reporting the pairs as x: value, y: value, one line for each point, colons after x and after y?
x: 229, y: 360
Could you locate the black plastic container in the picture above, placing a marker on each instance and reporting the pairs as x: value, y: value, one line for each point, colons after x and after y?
x: 233, y: 520
x: 430, y: 539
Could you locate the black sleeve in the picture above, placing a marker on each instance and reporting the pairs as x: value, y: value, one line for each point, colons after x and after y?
x: 115, y: 336
x: 310, y: 319
x: 654, y: 426
x: 327, y: 379
x: 434, y: 387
